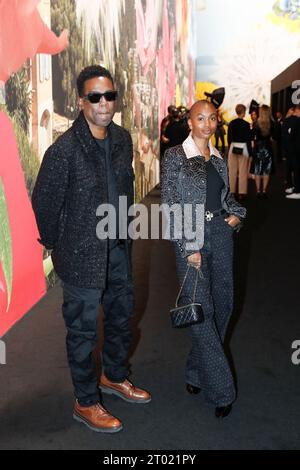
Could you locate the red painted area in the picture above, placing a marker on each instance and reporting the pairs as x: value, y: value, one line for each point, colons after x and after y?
x: 23, y: 34
x: 28, y: 284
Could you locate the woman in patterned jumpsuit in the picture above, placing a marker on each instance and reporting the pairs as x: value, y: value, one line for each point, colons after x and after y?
x: 195, y: 174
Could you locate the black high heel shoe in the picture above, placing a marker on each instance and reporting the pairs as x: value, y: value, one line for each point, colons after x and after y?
x: 223, y: 411
x: 192, y: 389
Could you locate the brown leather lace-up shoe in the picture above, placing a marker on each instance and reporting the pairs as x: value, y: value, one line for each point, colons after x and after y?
x: 125, y: 390
x: 96, y: 418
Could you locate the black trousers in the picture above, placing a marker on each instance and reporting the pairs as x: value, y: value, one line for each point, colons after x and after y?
x: 80, y: 312
x: 289, y: 170
x: 295, y: 158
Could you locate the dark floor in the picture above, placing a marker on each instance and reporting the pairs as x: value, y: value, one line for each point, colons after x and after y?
x: 36, y: 392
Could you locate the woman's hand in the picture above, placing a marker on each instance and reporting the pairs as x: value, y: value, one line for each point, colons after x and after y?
x: 195, y: 260
x: 233, y: 221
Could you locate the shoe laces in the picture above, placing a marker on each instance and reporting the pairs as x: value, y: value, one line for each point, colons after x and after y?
x: 100, y: 410
x: 130, y: 385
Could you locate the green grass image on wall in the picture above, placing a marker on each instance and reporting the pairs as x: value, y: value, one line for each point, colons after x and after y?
x: 5, y: 244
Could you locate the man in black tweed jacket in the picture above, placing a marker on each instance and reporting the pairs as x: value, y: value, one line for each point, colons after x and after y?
x: 88, y: 166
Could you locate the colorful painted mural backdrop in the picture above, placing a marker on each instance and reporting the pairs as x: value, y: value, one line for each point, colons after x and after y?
x: 243, y: 45
x: 23, y: 35
x: 145, y: 43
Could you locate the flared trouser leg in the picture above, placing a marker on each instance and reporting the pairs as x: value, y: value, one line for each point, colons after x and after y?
x: 207, y: 366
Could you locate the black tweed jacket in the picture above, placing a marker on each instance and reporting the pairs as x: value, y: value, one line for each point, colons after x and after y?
x: 71, y: 184
x: 183, y: 181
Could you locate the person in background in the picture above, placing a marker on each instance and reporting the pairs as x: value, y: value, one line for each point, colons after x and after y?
x: 239, y: 142
x: 177, y: 130
x: 262, y: 135
x: 183, y: 115
x: 164, y: 123
x: 294, y: 153
x: 220, y: 132
x: 287, y: 126
x: 253, y: 117
x: 89, y: 166
x: 194, y: 173
x: 278, y: 136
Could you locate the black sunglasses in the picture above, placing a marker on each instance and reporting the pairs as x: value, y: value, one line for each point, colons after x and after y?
x: 95, y: 96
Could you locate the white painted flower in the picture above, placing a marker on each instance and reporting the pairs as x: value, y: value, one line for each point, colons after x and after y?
x: 103, y: 19
x: 251, y: 62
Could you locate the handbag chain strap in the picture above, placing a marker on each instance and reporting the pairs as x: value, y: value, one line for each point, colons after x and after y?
x: 199, y: 274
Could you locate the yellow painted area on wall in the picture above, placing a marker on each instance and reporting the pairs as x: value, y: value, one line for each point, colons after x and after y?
x: 178, y: 95
x: 292, y: 26
x: 201, y: 87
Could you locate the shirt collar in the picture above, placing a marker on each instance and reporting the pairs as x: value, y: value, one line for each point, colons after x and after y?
x: 191, y: 150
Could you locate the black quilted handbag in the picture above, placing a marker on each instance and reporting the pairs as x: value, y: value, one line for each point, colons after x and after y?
x: 188, y: 314
x: 238, y: 150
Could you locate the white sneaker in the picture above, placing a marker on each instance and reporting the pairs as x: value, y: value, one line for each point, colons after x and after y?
x: 293, y: 196
x: 289, y: 190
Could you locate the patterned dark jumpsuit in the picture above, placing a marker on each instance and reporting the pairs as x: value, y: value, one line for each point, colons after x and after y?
x: 184, y: 182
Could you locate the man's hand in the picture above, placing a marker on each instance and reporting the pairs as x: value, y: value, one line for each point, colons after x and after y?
x: 233, y: 221
x: 195, y: 260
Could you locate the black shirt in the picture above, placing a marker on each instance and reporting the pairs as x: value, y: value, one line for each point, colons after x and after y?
x: 113, y: 195
x: 239, y: 131
x: 214, y: 186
